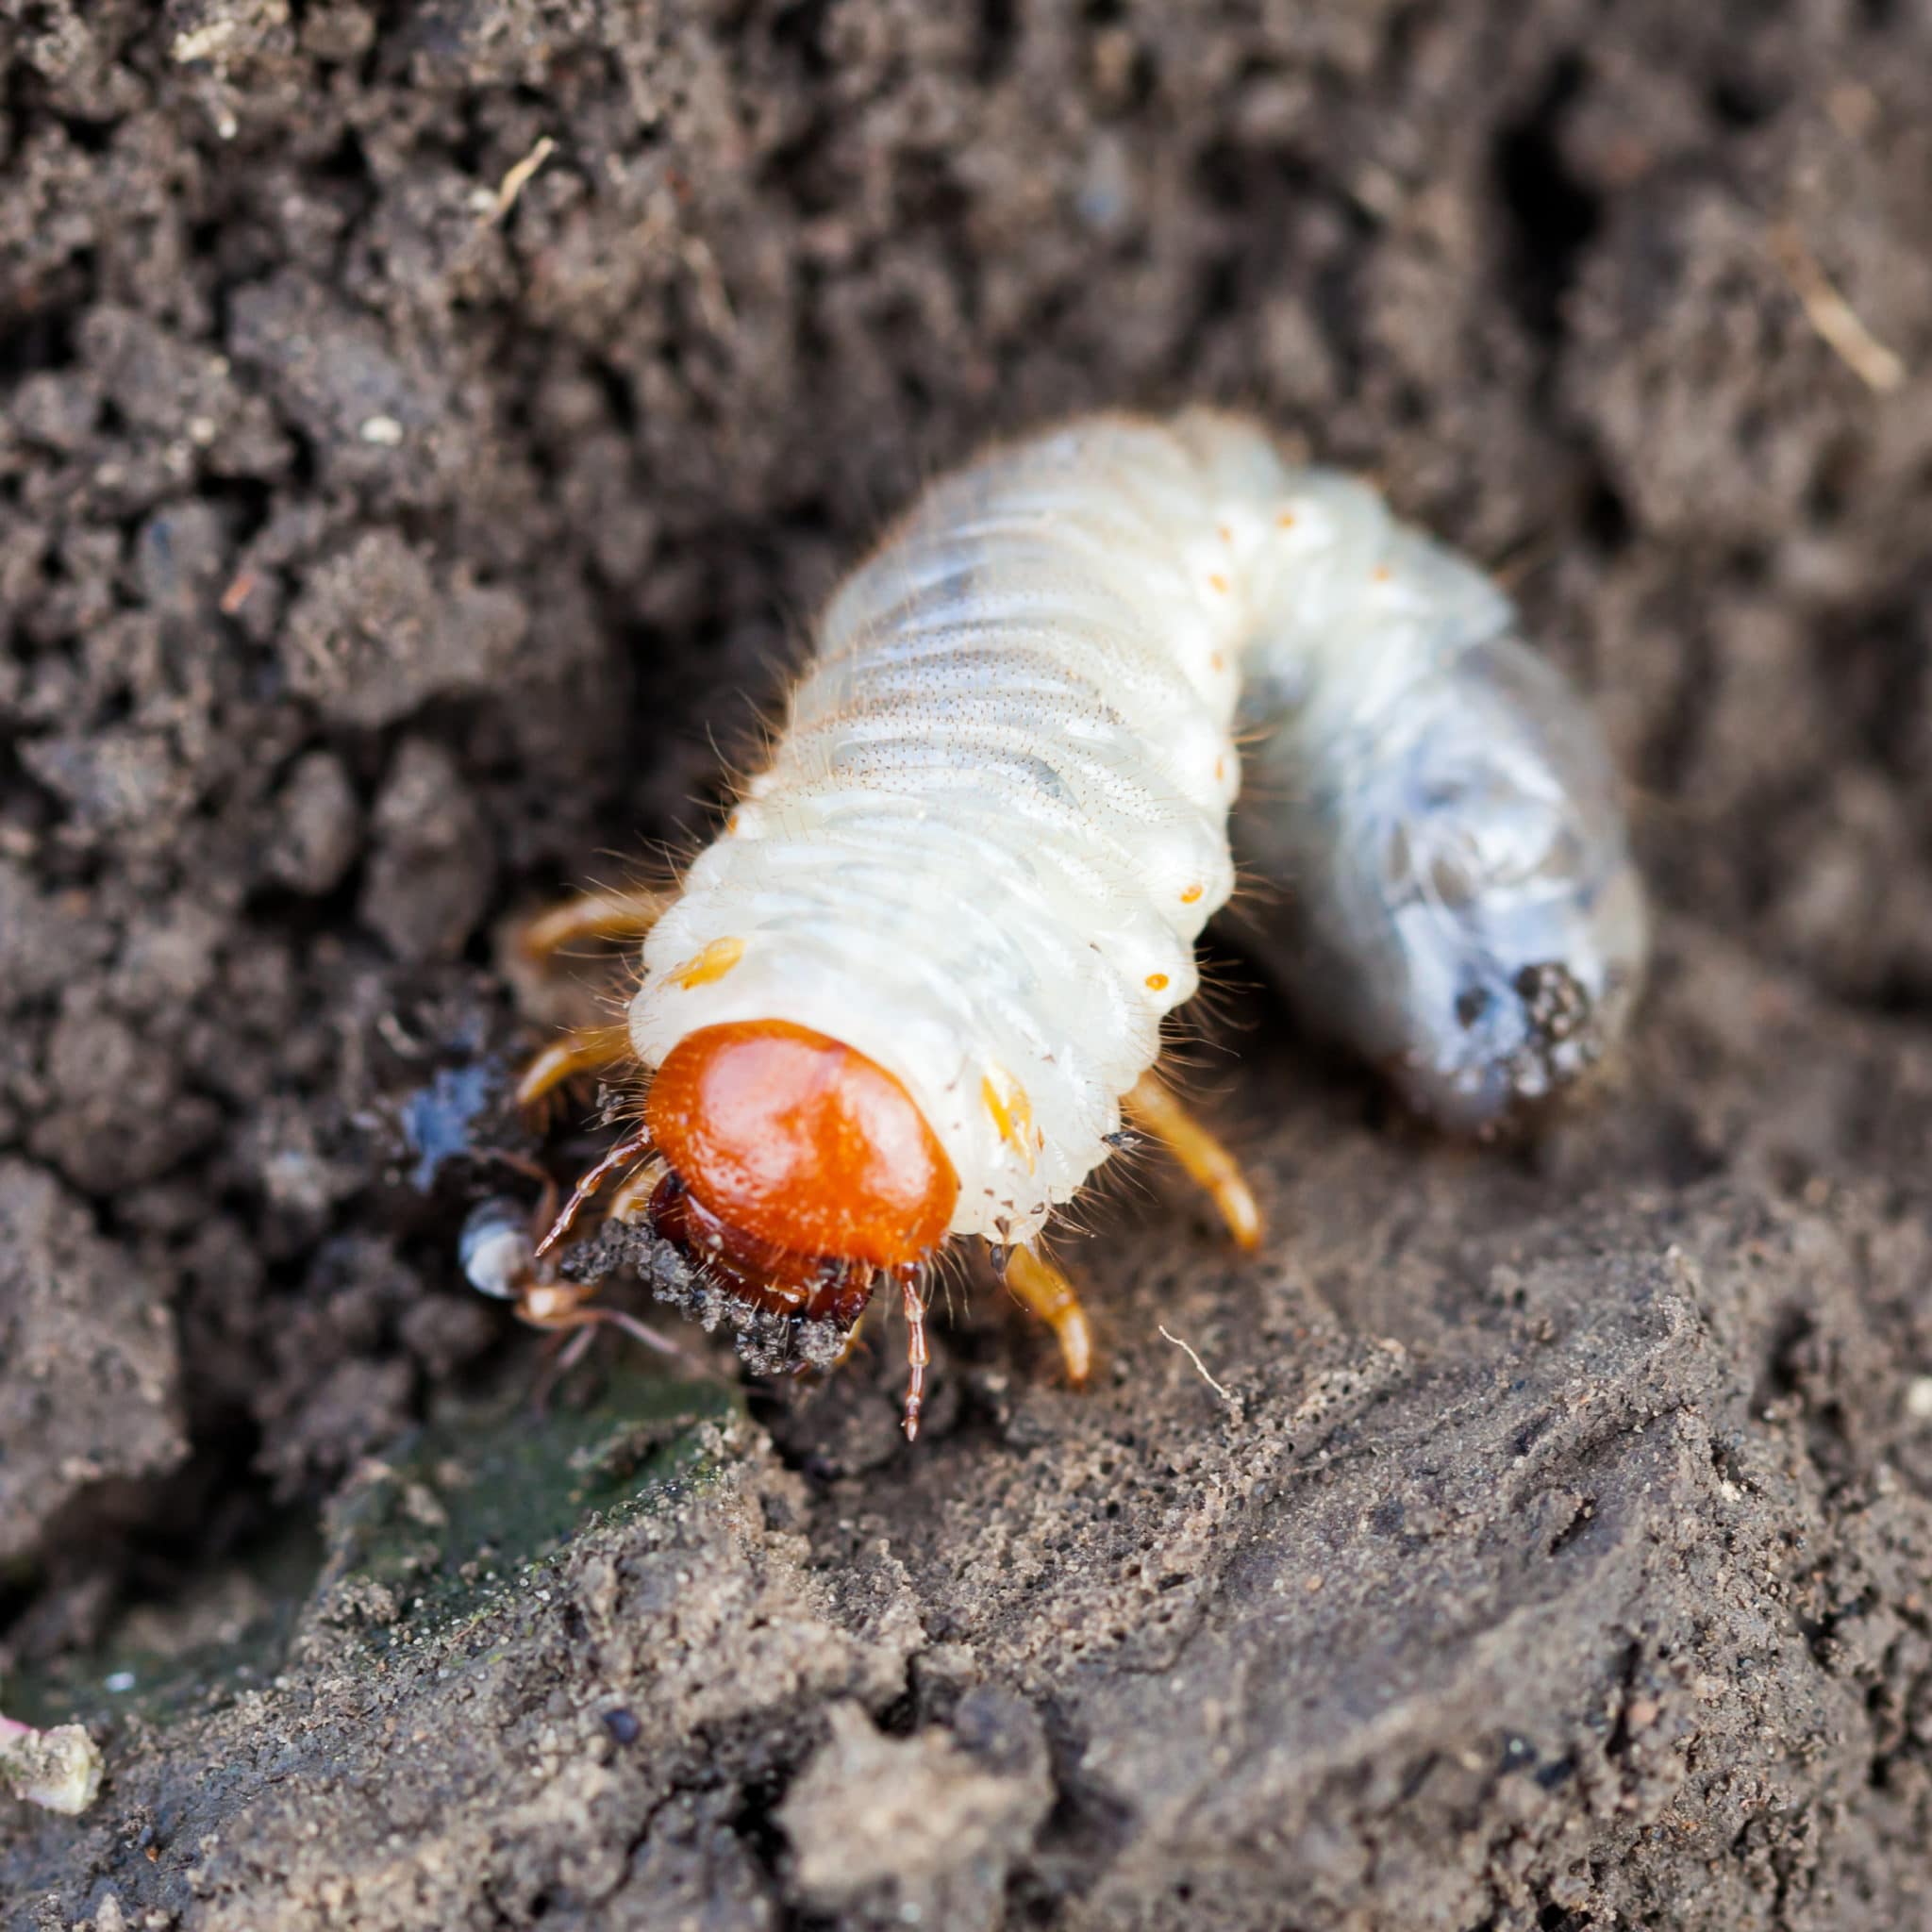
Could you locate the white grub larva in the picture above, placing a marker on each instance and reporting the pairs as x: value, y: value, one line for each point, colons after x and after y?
x: 906, y: 991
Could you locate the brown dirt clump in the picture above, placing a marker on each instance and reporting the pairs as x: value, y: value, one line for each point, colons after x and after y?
x: 388, y: 529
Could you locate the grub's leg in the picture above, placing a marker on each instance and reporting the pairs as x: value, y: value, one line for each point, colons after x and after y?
x: 849, y: 1345
x: 1041, y: 1286
x: 628, y: 1203
x: 642, y: 1332
x: 563, y: 1309
x: 583, y: 1050
x: 1157, y: 1114
x: 917, y: 1358
x: 635, y: 1148
x: 621, y: 913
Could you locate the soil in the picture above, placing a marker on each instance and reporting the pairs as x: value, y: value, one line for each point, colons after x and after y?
x: 427, y: 429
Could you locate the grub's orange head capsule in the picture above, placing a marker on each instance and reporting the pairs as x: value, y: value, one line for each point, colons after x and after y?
x: 801, y: 1143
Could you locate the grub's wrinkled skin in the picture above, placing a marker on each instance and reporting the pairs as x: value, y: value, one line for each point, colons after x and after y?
x: 1458, y: 900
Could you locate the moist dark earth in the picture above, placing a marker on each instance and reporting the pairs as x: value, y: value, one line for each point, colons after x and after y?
x: 428, y: 430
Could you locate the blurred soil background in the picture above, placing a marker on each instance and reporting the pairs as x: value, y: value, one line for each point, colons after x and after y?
x: 427, y: 429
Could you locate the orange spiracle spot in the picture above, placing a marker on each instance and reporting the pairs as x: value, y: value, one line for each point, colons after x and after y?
x: 799, y: 1142
x: 1007, y: 1101
x: 1192, y: 896
x: 1156, y: 982
x: 713, y: 963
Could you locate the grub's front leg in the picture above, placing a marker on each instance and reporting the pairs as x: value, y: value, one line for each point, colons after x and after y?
x: 582, y: 1050
x: 617, y: 914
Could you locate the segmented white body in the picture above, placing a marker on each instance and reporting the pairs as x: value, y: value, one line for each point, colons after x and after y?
x: 998, y: 818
